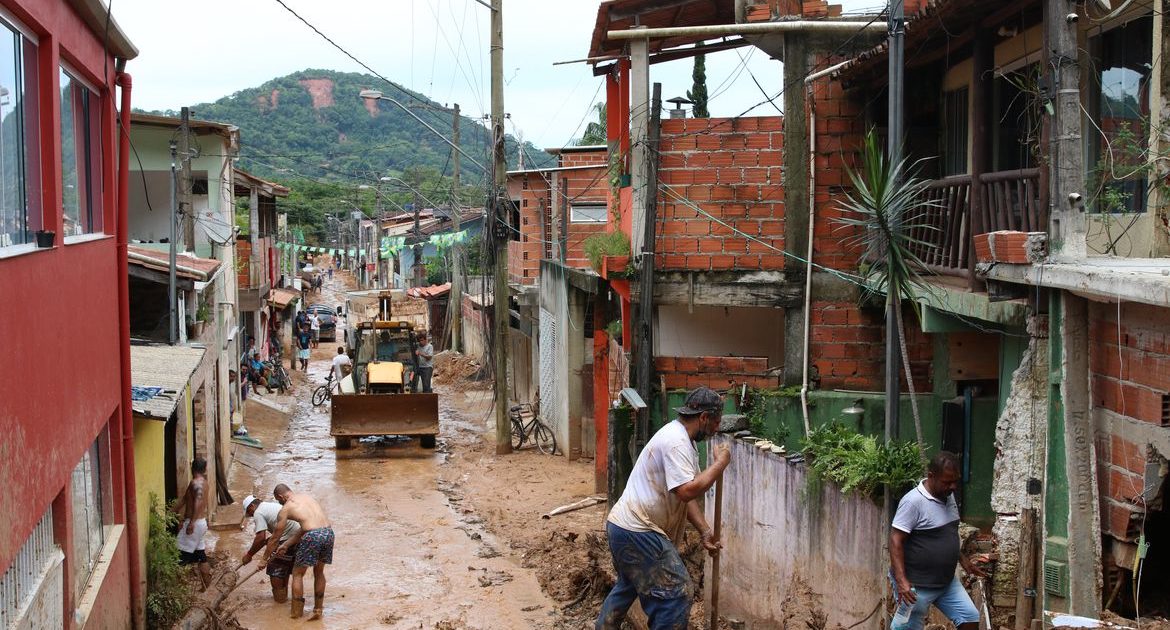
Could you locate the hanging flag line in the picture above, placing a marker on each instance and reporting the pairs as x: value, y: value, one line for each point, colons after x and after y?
x: 388, y: 248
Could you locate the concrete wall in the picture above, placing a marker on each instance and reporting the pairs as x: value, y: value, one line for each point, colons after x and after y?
x: 720, y: 331
x: 773, y: 529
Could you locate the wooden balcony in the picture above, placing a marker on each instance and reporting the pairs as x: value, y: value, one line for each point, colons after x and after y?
x: 1005, y: 200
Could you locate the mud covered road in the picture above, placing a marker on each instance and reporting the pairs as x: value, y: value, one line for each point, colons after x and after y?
x: 411, y: 552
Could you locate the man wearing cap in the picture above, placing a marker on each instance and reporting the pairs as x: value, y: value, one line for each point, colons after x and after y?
x: 264, y: 515
x: 646, y: 523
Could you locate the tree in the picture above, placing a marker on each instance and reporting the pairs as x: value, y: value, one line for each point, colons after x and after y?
x: 698, y: 92
x: 595, y: 132
x: 886, y: 206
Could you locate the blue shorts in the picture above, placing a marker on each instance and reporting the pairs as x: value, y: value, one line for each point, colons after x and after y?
x: 952, y: 601
x: 650, y: 570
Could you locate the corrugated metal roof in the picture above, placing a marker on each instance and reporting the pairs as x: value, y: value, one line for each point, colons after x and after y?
x: 165, y: 367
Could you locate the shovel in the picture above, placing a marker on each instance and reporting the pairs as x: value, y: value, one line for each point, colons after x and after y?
x: 715, y: 558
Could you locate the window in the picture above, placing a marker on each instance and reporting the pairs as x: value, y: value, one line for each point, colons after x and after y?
x: 587, y: 213
x: 80, y: 157
x: 92, y: 508
x: 1117, y: 179
x: 954, y: 140
x: 20, y: 207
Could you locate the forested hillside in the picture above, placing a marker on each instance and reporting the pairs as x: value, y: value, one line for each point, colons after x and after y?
x: 313, y: 123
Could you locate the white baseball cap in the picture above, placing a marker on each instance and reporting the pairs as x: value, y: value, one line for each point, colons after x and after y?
x: 248, y: 502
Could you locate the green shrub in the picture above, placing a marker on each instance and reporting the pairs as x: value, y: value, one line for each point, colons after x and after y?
x: 757, y: 411
x: 167, y: 597
x: 860, y: 463
x: 599, y: 246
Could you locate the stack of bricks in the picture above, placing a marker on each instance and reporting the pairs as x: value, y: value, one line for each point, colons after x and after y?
x: 731, y: 169
x: 847, y: 347
x: 1129, y: 368
x: 719, y: 373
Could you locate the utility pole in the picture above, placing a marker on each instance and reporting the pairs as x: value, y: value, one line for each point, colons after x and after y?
x: 172, y: 281
x: 500, y: 220
x: 420, y: 270
x: 455, y: 303
x: 186, y: 208
x: 644, y: 334
x: 894, y: 151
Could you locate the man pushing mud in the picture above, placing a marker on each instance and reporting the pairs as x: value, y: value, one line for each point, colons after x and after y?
x: 647, y: 522
x: 314, y: 546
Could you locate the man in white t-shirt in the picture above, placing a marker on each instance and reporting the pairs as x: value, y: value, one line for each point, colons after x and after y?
x: 646, y: 523
x: 264, y: 515
x: 339, y: 361
x: 315, y: 328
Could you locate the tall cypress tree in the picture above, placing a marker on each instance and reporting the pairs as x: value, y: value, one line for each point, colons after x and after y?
x: 698, y: 92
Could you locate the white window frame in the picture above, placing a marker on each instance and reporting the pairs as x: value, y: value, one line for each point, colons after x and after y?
x: 95, y: 182
x: 575, y: 218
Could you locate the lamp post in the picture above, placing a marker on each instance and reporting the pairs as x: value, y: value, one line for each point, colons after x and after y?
x: 378, y: 96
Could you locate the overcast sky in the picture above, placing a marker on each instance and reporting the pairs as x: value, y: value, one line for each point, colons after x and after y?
x: 201, y: 51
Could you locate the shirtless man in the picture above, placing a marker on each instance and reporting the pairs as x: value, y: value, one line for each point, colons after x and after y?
x: 192, y: 509
x: 264, y: 515
x: 314, y: 547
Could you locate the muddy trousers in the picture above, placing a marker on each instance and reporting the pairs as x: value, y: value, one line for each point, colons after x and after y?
x: 650, y: 570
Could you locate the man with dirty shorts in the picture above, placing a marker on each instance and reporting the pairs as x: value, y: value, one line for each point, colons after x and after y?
x: 647, y: 522
x: 264, y: 516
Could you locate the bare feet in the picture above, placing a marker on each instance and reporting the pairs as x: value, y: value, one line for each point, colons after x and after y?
x: 317, y: 613
x: 298, y: 607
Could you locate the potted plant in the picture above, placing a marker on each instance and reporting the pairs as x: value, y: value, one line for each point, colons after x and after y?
x: 46, y: 238
x: 201, y: 316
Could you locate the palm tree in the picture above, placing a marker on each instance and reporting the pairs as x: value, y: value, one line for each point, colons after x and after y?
x: 887, y: 207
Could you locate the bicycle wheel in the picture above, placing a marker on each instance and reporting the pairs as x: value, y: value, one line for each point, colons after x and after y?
x: 544, y: 438
x: 517, y: 435
x: 319, y: 395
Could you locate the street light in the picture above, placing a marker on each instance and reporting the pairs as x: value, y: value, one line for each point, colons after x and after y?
x: 378, y: 96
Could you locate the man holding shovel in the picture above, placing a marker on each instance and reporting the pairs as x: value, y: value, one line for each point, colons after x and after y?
x: 264, y: 515
x: 646, y: 523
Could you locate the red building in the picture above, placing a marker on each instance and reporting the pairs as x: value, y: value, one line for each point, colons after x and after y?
x: 68, y: 550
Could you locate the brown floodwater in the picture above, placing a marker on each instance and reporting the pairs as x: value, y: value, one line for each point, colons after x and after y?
x: 406, y: 554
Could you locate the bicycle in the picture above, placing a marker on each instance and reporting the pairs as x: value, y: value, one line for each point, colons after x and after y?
x: 527, y: 427
x: 277, y: 376
x: 325, y: 392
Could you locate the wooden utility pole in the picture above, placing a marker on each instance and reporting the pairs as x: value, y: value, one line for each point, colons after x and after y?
x: 186, y: 208
x: 420, y: 268
x: 500, y: 222
x: 455, y: 303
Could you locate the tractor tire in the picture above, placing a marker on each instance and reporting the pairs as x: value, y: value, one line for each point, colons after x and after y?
x: 343, y: 442
x: 427, y: 441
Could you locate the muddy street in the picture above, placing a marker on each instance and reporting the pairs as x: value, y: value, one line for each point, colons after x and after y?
x: 410, y: 552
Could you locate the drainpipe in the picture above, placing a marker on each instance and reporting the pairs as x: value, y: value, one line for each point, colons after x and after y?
x: 123, y: 81
x: 812, y: 215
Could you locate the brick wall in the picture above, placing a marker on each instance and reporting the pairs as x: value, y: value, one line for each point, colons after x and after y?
x: 537, y: 206
x: 582, y: 158
x: 243, y: 261
x: 732, y: 170
x: 840, y: 130
x: 1129, y: 376
x: 719, y: 373
x: 847, y: 347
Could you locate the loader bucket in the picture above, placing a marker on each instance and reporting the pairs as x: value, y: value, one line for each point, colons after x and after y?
x: 360, y: 415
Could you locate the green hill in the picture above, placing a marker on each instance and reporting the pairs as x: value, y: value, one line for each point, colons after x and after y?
x: 313, y: 124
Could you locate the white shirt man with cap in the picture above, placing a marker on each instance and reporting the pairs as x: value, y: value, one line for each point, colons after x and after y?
x: 264, y: 515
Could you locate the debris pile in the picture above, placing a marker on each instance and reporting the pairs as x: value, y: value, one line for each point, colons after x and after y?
x: 573, y: 568
x: 453, y: 368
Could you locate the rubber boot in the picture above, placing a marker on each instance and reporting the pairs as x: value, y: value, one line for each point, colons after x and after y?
x: 318, y: 607
x: 298, y: 607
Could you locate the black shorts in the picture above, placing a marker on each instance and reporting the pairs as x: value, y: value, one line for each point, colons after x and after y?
x: 198, y: 556
x: 281, y: 566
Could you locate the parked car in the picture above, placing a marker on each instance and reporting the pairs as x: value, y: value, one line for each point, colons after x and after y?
x: 328, y: 320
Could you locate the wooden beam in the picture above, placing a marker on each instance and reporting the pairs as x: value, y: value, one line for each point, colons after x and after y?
x: 722, y: 289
